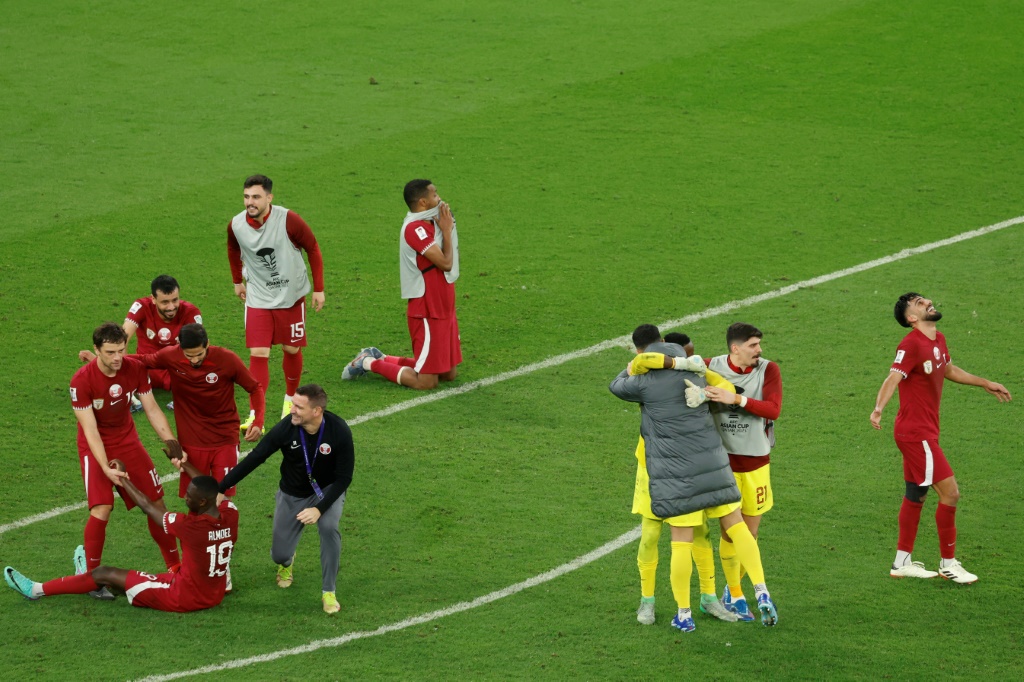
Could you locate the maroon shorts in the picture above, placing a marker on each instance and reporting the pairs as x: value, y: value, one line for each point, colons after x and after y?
x: 266, y: 327
x: 435, y: 344
x: 141, y: 472
x: 216, y: 462
x: 924, y: 464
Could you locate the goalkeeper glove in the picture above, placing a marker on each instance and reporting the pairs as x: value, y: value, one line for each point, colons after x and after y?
x: 694, y: 364
x: 695, y: 395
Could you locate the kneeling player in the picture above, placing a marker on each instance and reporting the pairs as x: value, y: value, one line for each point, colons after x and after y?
x: 207, y: 534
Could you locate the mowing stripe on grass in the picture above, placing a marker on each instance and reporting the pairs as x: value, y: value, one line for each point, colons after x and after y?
x: 316, y: 645
x: 612, y: 343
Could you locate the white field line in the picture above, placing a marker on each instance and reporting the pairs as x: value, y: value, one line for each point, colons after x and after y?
x: 316, y: 645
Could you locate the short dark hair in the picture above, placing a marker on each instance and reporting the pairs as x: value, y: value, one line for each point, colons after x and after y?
x: 316, y: 394
x: 740, y: 332
x: 108, y: 332
x: 414, y: 191
x: 262, y: 180
x: 645, y: 335
x: 193, y: 335
x: 165, y: 284
x: 900, y: 311
x: 206, y: 486
x: 678, y: 338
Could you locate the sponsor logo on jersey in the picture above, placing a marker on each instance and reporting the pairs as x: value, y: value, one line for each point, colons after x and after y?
x: 212, y: 378
x: 927, y: 366
x: 295, y: 444
x: 421, y: 233
x: 164, y: 334
x: 269, y: 260
x: 97, y: 404
x: 325, y: 449
x: 899, y: 357
x: 150, y: 334
x: 935, y: 350
x: 116, y: 391
x: 136, y: 307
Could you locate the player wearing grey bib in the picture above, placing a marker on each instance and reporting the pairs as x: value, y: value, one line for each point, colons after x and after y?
x: 265, y: 245
x: 746, y: 420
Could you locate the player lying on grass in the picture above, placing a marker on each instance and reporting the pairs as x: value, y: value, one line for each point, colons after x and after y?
x: 207, y: 534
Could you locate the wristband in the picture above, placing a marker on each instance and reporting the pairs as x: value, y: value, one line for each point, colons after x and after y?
x: 743, y: 401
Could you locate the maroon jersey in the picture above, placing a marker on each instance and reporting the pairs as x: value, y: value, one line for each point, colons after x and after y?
x: 204, y: 397
x: 922, y: 362
x: 108, y: 397
x: 438, y: 301
x: 155, y: 332
x: 206, y: 545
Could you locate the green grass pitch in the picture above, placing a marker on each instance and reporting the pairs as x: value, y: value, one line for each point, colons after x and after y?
x: 609, y: 164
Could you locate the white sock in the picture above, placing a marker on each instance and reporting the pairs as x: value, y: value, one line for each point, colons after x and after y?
x: 943, y: 563
x: 290, y: 398
x: 367, y: 361
x: 760, y: 589
x: 37, y: 590
x: 684, y: 614
x: 902, y: 559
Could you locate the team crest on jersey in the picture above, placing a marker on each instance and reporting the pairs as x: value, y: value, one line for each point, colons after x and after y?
x: 212, y: 378
x: 116, y: 391
x: 150, y: 334
x: 97, y: 404
x: 899, y: 357
x: 325, y: 449
x: 927, y: 366
x: 164, y: 334
x: 935, y: 350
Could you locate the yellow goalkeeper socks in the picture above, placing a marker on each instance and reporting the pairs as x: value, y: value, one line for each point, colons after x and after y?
x: 747, y: 552
x: 682, y: 571
x: 704, y: 558
x: 647, y: 555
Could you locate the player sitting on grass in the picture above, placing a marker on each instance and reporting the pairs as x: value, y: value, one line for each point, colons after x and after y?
x: 207, y: 534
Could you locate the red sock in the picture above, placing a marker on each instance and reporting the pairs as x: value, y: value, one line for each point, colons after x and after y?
x: 292, y: 366
x: 72, y: 584
x: 395, y: 360
x: 945, y: 521
x: 167, y: 543
x: 260, y: 368
x: 95, y: 536
x: 387, y: 370
x: 910, y: 517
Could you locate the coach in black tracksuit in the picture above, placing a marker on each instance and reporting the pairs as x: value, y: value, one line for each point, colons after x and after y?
x: 316, y: 470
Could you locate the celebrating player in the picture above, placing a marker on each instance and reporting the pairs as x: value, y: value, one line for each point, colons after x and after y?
x: 682, y: 472
x: 157, y: 319
x: 99, y: 396
x: 265, y: 245
x: 203, y: 379
x: 921, y: 366
x: 428, y: 255
x: 207, y: 534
